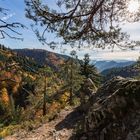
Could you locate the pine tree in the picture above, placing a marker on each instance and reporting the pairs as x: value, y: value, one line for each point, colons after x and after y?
x: 138, y: 67
x: 90, y: 71
x: 45, y: 73
x: 70, y: 74
x: 92, y: 79
x: 138, y: 62
x: 83, y: 22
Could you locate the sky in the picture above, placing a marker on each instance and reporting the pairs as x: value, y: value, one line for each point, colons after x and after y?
x: 17, y: 13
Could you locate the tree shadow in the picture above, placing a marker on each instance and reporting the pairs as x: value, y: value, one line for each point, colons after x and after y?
x: 70, y: 120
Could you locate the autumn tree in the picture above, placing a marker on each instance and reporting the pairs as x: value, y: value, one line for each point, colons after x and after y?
x: 10, y: 82
x: 83, y: 22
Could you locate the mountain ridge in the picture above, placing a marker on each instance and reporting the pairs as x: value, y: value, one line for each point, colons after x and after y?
x: 52, y: 59
x: 130, y: 71
x: 107, y: 64
x: 43, y: 57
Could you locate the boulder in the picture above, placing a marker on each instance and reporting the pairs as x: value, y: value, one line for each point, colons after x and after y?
x: 113, y: 112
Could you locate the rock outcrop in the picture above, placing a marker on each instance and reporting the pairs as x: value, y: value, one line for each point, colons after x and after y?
x: 114, y: 112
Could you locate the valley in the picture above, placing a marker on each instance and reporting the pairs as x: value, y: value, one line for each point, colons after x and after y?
x: 22, y: 74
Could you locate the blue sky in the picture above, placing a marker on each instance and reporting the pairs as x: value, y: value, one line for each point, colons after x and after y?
x: 17, y: 13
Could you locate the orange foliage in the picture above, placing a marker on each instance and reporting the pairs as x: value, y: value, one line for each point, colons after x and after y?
x: 15, y: 88
x: 54, y: 106
x: 55, y: 59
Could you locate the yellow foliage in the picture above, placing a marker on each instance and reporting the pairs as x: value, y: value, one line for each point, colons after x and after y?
x: 3, y: 84
x: 33, y: 78
x: 4, y: 96
x: 25, y: 74
x: 8, y: 130
x: 65, y: 97
x: 9, y: 54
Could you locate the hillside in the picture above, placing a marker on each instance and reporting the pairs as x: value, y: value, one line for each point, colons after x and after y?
x: 34, y: 103
x: 10, y: 57
x: 112, y: 113
x: 51, y: 130
x: 30, y: 94
x: 128, y: 71
x: 103, y: 65
x: 17, y: 74
x: 22, y: 89
x: 43, y: 57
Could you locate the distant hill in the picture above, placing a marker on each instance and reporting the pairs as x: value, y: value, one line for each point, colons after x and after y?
x: 128, y: 71
x: 22, y: 63
x: 103, y: 65
x: 43, y: 57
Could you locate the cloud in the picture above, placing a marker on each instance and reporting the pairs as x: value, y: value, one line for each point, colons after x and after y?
x: 118, y: 55
x: 8, y: 16
x: 133, y: 29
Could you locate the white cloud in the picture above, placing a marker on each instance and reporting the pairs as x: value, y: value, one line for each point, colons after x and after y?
x: 8, y: 16
x: 133, y: 29
x: 116, y: 55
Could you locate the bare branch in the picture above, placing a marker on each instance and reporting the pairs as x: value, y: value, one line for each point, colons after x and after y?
x: 7, y: 28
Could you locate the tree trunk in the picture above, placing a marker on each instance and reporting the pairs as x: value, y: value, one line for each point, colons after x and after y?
x: 12, y: 105
x: 71, y: 95
x: 71, y: 86
x: 44, y: 100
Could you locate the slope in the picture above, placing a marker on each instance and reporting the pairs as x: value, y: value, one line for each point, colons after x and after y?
x: 48, y: 130
x: 128, y: 71
x: 103, y: 65
x: 43, y: 57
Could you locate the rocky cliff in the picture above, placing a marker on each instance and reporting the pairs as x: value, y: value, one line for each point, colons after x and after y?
x: 114, y: 112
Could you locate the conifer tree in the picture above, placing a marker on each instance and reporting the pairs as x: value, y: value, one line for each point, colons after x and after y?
x: 92, y: 79
x: 89, y: 70
x: 138, y: 67
x: 83, y: 22
x: 70, y: 74
x: 45, y: 73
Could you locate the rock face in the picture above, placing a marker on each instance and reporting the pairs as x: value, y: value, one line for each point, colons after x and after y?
x: 114, y: 112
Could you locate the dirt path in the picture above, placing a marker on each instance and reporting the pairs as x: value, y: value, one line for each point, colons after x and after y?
x: 58, y: 129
